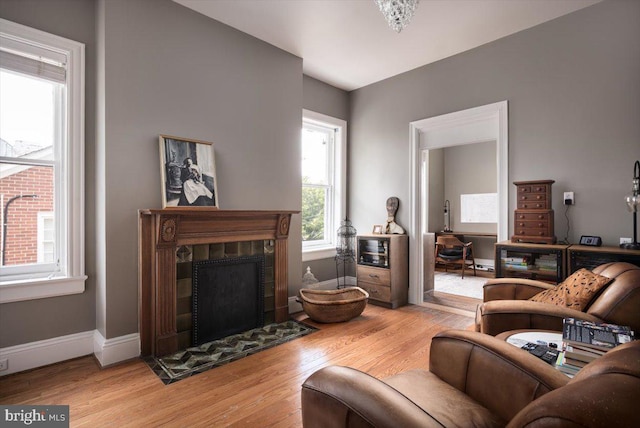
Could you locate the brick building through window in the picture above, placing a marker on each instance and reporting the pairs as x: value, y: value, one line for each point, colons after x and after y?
x: 27, y: 200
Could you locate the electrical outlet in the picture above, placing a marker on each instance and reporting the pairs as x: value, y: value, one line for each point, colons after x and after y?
x: 568, y: 198
x: 4, y: 364
x: 625, y: 240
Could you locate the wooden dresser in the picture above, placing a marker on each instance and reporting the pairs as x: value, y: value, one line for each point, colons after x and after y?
x: 533, y: 218
x: 383, y: 269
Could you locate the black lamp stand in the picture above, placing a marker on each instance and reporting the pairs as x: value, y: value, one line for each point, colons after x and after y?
x: 632, y: 204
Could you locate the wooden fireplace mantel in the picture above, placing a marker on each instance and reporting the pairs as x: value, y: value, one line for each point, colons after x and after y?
x: 162, y: 231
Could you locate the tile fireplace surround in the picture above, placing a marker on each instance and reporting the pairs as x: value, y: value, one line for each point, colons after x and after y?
x: 163, y: 232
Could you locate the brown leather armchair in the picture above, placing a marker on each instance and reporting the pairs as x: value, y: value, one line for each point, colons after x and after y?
x: 478, y: 380
x: 506, y: 306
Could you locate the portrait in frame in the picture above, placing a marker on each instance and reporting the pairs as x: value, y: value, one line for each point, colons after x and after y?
x: 377, y: 229
x: 188, y: 172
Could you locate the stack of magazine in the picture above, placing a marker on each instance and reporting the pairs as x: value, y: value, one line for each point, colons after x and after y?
x: 585, y: 341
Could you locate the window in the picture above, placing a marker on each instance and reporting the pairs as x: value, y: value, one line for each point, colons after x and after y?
x: 41, y: 164
x: 323, y: 183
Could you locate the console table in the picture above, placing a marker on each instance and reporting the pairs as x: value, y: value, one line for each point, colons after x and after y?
x: 583, y: 256
x: 471, y: 234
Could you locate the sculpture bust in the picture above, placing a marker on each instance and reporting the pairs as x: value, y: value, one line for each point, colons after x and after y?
x: 392, y: 208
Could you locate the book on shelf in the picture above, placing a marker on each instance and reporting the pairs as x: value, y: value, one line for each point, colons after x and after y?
x: 551, y: 264
x: 594, y: 336
x: 516, y: 267
x: 515, y: 260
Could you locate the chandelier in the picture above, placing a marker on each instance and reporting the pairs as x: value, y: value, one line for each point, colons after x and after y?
x: 398, y: 13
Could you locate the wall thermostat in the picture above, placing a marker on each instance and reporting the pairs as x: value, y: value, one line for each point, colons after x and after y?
x: 593, y: 241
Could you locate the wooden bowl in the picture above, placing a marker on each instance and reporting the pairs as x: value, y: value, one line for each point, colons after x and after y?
x: 329, y: 306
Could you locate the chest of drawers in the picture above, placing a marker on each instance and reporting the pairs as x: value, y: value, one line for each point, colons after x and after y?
x: 383, y: 269
x: 533, y: 218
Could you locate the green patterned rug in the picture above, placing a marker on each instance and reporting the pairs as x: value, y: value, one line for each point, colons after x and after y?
x: 188, y: 362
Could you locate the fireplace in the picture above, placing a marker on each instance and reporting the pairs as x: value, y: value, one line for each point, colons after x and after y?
x: 225, y: 288
x: 228, y: 297
x: 177, y: 245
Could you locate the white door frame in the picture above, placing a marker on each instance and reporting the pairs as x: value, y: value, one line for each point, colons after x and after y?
x: 479, y: 124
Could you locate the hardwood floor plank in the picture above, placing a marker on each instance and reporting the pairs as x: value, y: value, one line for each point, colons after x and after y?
x: 262, y: 390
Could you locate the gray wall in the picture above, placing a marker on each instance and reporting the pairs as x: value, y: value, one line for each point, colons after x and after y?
x: 326, y: 99
x: 469, y: 169
x: 458, y: 170
x: 574, y: 103
x: 436, y: 190
x: 162, y: 69
x: 28, y: 321
x: 323, y: 98
x: 170, y: 70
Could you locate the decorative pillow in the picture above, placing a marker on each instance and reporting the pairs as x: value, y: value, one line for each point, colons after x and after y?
x: 575, y: 292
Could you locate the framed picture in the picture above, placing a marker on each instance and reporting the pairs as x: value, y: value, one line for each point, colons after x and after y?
x: 377, y: 229
x: 188, y: 171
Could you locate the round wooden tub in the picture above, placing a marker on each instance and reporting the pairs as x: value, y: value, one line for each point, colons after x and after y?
x: 329, y: 306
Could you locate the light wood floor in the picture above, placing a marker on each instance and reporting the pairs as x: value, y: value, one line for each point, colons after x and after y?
x: 257, y: 391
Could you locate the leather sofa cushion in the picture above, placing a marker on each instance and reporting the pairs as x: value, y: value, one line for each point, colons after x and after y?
x: 442, y: 401
x: 575, y: 292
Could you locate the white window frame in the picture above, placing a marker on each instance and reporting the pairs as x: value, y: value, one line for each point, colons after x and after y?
x: 338, y: 195
x: 69, y: 277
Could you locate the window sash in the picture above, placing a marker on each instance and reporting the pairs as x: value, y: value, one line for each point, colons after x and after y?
x: 329, y: 140
x: 57, y: 268
x: 333, y: 209
x: 328, y: 222
x: 67, y: 276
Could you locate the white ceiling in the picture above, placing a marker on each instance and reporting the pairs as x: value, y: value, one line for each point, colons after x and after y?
x: 348, y: 44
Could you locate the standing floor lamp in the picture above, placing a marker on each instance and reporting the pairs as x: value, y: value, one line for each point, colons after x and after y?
x: 633, y: 201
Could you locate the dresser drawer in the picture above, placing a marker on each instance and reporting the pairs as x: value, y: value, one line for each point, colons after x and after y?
x: 533, y: 205
x: 540, y: 224
x: 533, y: 197
x: 372, y: 275
x: 376, y: 292
x: 532, y: 231
x: 534, y: 188
x: 531, y: 216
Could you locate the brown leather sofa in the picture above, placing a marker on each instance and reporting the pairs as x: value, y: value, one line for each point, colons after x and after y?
x: 476, y: 380
x: 506, y: 306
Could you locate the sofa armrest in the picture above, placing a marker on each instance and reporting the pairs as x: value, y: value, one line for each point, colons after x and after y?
x: 513, y: 288
x: 498, y: 375
x: 504, y: 315
x: 336, y: 396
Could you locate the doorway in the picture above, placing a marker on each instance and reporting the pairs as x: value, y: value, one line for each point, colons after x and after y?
x: 471, y: 126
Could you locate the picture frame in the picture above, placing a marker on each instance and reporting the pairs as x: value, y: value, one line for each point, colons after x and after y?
x: 377, y: 229
x: 188, y: 173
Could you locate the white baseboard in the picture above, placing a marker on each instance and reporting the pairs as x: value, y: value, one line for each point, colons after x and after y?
x: 111, y: 351
x: 44, y: 352
x: 331, y: 284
